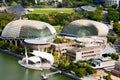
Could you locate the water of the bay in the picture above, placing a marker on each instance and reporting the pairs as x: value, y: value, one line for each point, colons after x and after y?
x: 11, y: 70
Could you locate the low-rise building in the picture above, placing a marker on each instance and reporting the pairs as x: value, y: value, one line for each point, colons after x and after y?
x: 85, y: 53
x: 61, y: 47
x: 98, y: 1
x: 109, y: 2
x: 105, y: 63
x: 112, y: 2
x: 88, y: 8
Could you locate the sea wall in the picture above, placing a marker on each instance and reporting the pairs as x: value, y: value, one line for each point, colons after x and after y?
x: 67, y: 74
x: 12, y: 53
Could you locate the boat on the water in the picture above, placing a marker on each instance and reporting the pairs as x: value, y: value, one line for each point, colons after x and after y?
x: 38, y: 60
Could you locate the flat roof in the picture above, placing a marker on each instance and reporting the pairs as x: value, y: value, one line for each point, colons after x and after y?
x: 36, y: 41
x: 105, y: 64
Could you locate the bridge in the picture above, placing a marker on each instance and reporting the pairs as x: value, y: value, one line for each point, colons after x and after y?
x: 45, y: 76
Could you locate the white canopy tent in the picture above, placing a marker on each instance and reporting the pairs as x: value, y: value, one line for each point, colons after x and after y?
x: 44, y: 55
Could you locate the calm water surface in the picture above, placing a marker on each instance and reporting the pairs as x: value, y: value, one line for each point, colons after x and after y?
x: 11, y: 70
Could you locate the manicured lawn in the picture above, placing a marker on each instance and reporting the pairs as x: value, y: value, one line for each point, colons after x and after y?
x: 51, y: 11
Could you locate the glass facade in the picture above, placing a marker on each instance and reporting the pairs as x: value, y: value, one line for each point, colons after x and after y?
x: 30, y: 32
x: 79, y: 30
x: 28, y: 29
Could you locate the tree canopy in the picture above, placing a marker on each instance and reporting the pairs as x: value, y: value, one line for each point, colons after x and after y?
x: 111, y: 39
x: 81, y: 68
x: 116, y: 28
x: 114, y: 56
x: 113, y: 15
x: 96, y: 15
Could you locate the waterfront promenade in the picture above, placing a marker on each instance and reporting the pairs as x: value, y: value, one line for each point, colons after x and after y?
x: 9, y: 67
x: 67, y: 74
x: 12, y: 53
x: 20, y: 56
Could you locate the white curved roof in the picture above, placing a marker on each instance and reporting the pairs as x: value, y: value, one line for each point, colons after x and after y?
x: 13, y: 28
x: 44, y: 55
x: 102, y: 28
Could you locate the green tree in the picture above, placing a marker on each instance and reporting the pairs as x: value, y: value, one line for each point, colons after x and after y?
x: 81, y: 72
x: 111, y: 39
x: 112, y: 12
x: 56, y: 57
x: 5, y: 45
x: 67, y: 3
x: 12, y: 47
x: 96, y: 15
x: 1, y: 43
x: 114, y: 56
x: 13, y: 3
x: 105, y: 5
x: 107, y: 77
x: 81, y: 68
x: 59, y: 40
x: 4, y: 20
x: 116, y: 28
x: 61, y: 19
x: 19, y: 50
x: 114, y: 6
x: 90, y: 70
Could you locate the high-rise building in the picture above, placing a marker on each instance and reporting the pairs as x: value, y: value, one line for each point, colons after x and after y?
x: 23, y: 3
x: 112, y: 2
x: 109, y: 2
x: 98, y: 1
x: 3, y: 3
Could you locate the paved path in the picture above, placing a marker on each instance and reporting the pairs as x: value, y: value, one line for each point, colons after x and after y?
x: 12, y: 53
